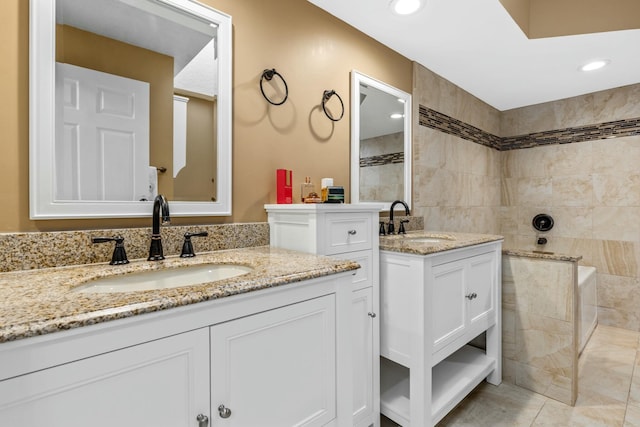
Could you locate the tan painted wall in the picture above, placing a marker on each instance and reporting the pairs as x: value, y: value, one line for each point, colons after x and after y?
x: 312, y: 49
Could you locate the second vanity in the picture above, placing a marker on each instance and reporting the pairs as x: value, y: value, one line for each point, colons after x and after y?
x: 266, y: 348
x: 438, y: 291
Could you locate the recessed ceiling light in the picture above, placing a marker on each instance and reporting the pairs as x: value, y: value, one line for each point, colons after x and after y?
x: 397, y: 116
x: 405, y: 7
x: 594, y: 65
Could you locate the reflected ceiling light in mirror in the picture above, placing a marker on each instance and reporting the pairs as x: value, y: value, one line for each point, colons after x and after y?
x: 595, y: 65
x: 405, y: 7
x: 397, y: 116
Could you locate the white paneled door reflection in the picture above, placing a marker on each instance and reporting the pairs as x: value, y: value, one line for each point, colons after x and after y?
x: 102, y: 149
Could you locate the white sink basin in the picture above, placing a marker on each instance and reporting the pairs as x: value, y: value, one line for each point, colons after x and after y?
x: 164, y: 279
x: 424, y: 239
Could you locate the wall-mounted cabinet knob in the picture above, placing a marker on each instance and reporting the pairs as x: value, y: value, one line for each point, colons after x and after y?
x: 203, y: 420
x: 224, y: 412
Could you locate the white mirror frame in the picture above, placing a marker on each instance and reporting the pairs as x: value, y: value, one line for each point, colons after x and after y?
x: 358, y: 78
x: 42, y: 125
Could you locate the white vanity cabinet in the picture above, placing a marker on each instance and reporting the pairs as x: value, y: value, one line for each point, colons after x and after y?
x: 347, y: 232
x: 432, y: 306
x: 276, y: 357
x: 159, y: 383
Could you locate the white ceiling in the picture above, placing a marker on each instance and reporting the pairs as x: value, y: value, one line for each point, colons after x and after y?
x: 476, y: 45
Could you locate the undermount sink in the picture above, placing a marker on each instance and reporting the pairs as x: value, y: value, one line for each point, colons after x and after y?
x: 164, y: 279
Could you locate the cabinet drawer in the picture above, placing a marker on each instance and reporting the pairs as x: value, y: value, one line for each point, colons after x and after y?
x: 347, y: 233
x: 363, y: 276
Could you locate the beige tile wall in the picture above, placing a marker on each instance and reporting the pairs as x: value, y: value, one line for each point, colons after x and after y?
x: 456, y: 183
x: 539, y: 338
x: 592, y: 190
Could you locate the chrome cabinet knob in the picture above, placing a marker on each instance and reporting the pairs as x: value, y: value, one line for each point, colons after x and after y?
x: 472, y: 296
x: 372, y: 315
x: 224, y: 412
x: 203, y: 420
x: 352, y: 232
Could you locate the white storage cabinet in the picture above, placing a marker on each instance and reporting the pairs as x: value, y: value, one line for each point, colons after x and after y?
x: 347, y: 232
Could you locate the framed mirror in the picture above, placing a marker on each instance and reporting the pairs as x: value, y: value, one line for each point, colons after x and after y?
x: 129, y: 99
x: 380, y: 142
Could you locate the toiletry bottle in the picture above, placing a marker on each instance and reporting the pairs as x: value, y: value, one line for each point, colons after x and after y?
x: 306, y: 188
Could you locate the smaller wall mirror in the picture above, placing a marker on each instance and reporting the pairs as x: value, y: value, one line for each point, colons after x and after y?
x: 380, y: 142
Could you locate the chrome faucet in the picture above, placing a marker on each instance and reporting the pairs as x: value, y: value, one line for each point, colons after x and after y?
x: 159, y: 203
x: 391, y: 227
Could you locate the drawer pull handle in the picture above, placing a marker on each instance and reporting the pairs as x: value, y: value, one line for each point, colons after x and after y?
x: 372, y: 315
x: 352, y: 232
x: 472, y: 296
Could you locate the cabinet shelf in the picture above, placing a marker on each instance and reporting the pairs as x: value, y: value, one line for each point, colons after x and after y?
x: 452, y: 380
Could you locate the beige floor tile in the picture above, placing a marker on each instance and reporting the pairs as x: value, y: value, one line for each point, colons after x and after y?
x: 605, y: 375
x: 489, y: 406
x: 555, y: 414
x: 606, y: 336
x: 634, y: 391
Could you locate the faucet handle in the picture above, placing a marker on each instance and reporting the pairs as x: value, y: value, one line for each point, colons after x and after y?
x: 382, y: 232
x: 391, y: 229
x: 402, y: 223
x: 187, y: 246
x: 119, y: 254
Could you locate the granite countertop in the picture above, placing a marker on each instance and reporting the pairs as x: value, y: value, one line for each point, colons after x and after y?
x: 431, y: 242
x: 554, y: 256
x: 38, y: 302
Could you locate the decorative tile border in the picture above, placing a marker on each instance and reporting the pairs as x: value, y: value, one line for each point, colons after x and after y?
x: 606, y: 130
x: 436, y: 120
x: 382, y: 159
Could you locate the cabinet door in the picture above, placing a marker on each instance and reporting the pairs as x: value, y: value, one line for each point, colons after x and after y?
x: 362, y: 350
x: 481, y: 283
x: 160, y: 383
x: 276, y: 368
x: 448, y: 316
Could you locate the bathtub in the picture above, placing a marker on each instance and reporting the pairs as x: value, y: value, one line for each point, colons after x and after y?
x: 587, y: 304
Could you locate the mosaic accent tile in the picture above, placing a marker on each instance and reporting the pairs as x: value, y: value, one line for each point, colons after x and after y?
x: 382, y: 159
x: 598, y: 131
x: 436, y: 120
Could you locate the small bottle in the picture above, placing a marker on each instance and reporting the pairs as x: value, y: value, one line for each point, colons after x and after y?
x: 306, y: 188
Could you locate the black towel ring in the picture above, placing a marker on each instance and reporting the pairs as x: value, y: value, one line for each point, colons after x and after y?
x: 268, y: 75
x: 325, y: 97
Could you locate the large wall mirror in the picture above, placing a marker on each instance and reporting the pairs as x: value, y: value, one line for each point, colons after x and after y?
x: 380, y: 142
x: 129, y: 99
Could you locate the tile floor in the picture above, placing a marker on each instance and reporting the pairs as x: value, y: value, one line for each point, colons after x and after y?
x: 608, y: 392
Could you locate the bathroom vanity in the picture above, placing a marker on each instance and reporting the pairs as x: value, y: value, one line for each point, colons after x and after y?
x: 266, y: 348
x: 345, y: 231
x: 438, y: 291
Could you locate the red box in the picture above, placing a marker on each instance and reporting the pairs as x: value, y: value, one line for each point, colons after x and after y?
x: 284, y: 186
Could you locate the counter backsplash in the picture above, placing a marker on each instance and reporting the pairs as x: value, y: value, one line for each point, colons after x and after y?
x: 26, y: 251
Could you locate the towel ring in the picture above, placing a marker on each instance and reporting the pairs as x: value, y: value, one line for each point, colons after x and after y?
x: 268, y: 75
x: 325, y: 97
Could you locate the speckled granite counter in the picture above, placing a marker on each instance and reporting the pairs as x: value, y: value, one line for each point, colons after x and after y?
x: 430, y: 242
x: 542, y: 255
x: 38, y: 302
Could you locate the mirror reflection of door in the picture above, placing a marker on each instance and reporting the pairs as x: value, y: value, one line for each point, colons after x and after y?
x: 102, y: 148
x: 381, y: 146
x: 175, y: 54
